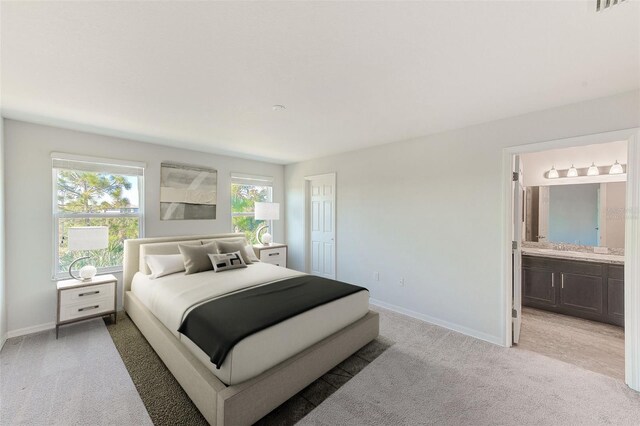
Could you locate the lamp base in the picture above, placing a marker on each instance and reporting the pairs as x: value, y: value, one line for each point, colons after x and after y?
x: 267, y: 239
x: 86, y: 272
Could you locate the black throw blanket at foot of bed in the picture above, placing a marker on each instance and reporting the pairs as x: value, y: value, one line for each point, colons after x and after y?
x: 216, y: 326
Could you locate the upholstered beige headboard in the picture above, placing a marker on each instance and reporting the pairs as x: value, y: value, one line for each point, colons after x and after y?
x: 132, y: 251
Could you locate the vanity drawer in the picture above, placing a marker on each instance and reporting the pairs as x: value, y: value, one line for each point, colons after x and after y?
x: 87, y: 294
x: 85, y: 309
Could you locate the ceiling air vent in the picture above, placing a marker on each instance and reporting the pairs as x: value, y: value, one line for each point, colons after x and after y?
x: 604, y: 4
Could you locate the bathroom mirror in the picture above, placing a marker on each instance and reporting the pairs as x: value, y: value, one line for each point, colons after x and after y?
x: 590, y: 214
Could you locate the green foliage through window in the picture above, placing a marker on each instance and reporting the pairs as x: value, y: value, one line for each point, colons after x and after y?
x: 243, y: 199
x: 96, y: 199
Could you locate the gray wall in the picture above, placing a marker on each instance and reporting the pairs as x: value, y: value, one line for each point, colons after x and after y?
x: 30, y: 291
x: 615, y: 202
x: 431, y: 210
x: 3, y: 299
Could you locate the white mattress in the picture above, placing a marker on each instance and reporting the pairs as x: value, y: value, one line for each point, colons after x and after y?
x: 170, y: 298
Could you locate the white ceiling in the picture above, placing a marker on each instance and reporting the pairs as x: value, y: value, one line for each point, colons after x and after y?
x: 204, y: 75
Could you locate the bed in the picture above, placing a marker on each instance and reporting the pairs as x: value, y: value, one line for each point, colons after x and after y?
x: 264, y: 369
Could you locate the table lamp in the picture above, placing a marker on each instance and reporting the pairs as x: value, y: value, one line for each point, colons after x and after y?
x: 87, y: 238
x: 266, y: 211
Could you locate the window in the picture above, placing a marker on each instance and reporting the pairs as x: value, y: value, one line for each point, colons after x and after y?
x: 245, y: 191
x: 95, y: 192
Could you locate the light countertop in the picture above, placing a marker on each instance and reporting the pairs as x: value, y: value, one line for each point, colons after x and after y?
x: 574, y: 255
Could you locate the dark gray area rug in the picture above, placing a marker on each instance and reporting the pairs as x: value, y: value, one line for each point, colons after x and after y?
x: 168, y: 404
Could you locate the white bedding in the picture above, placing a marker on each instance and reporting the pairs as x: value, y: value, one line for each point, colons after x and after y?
x: 171, y: 297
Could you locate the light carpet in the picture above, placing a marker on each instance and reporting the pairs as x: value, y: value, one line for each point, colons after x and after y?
x: 435, y: 376
x: 168, y: 404
x: 78, y: 379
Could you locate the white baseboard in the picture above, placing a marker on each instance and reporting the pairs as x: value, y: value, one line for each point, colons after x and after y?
x: 31, y: 330
x: 496, y: 340
x: 2, y: 340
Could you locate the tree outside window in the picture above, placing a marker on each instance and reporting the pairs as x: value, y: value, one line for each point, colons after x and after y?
x: 245, y: 192
x: 96, y: 198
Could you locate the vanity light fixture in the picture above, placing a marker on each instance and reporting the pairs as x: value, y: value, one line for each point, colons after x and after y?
x: 572, y: 172
x: 616, y: 169
x: 553, y: 173
x: 593, y: 170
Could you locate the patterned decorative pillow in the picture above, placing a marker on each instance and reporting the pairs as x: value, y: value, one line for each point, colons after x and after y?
x: 223, y: 262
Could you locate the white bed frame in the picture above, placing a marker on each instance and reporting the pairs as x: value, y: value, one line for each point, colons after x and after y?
x: 246, y: 402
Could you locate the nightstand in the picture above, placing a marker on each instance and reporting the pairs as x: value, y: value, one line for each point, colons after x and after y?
x: 81, y: 300
x: 275, y: 253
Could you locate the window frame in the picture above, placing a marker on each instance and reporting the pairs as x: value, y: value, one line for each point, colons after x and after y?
x: 56, y: 215
x: 246, y: 179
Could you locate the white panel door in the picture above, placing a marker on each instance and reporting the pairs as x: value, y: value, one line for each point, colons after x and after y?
x: 518, y: 192
x: 322, y: 204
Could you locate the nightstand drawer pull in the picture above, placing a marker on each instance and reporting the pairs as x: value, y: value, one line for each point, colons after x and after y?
x: 88, y: 293
x: 88, y: 308
x: 275, y: 254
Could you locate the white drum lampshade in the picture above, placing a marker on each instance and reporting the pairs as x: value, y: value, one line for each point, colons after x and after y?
x: 266, y: 211
x: 87, y: 238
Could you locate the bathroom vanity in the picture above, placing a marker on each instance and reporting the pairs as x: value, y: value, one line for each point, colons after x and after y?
x: 585, y: 285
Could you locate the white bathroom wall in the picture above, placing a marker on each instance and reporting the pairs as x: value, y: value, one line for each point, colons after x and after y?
x: 430, y: 211
x: 30, y: 292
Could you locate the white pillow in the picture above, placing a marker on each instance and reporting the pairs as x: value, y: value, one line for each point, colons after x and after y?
x: 164, y: 264
x: 251, y: 254
x: 222, y: 262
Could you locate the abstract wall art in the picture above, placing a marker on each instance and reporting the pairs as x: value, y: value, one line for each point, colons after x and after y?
x: 187, y: 192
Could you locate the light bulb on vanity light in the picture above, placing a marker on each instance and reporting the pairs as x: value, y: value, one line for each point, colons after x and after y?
x: 616, y: 169
x: 593, y: 170
x: 572, y: 172
x: 553, y: 173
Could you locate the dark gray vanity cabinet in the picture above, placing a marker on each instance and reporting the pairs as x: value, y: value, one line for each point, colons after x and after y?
x: 538, y: 286
x: 615, y: 294
x: 588, y: 290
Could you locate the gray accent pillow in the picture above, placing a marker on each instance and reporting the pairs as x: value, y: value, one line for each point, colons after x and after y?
x: 251, y: 254
x: 196, y: 258
x: 223, y: 262
x: 234, y: 246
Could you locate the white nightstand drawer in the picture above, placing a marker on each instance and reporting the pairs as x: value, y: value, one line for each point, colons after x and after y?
x: 85, y: 309
x: 273, y: 255
x: 86, y: 294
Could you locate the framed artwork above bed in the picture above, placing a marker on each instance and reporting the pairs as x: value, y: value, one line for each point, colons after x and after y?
x: 187, y: 192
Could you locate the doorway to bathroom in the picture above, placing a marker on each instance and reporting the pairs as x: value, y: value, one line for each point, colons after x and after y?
x: 571, y: 240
